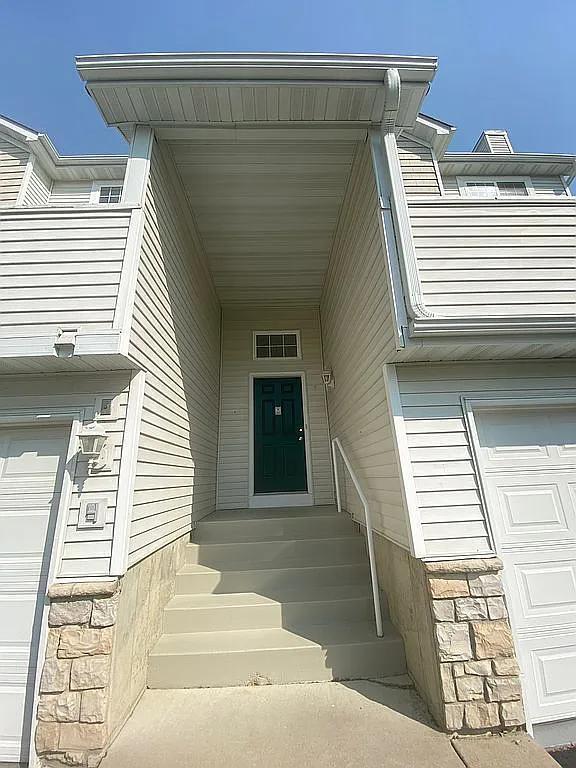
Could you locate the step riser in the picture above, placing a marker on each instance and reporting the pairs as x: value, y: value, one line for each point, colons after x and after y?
x: 267, y: 582
x: 265, y: 616
x: 293, y: 665
x: 277, y: 553
x: 273, y: 529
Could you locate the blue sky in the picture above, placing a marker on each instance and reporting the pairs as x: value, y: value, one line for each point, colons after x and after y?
x: 507, y: 64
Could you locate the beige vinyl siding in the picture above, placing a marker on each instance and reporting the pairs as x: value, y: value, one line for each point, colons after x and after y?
x: 450, y: 506
x: 13, y: 161
x: 38, y: 187
x: 451, y: 188
x: 358, y: 338
x: 70, y: 192
x: 418, y: 168
x: 175, y: 337
x: 60, y: 268
x: 501, y: 257
x: 237, y: 364
x: 85, y: 552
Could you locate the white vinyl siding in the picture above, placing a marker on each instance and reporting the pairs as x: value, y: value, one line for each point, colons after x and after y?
x: 450, y: 507
x: 71, y: 193
x: 86, y: 552
x: 176, y: 339
x: 60, y: 268
x: 498, y: 257
x: 13, y: 161
x: 419, y: 171
x: 38, y: 188
x: 358, y: 338
x: 237, y: 364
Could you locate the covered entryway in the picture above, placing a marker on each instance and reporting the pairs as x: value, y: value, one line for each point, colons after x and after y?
x: 31, y: 470
x: 528, y: 459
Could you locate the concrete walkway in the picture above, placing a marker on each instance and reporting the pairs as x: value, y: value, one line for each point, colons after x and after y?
x: 362, y: 724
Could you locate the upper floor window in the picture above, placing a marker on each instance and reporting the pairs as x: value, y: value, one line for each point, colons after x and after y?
x: 110, y: 194
x: 276, y: 344
x: 493, y: 188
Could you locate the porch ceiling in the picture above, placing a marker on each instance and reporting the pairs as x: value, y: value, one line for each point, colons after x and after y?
x: 266, y: 205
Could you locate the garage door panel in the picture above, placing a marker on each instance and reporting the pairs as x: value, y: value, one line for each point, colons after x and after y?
x: 31, y: 469
x: 17, y: 619
x: 545, y: 584
x: 528, y: 459
x: 551, y: 686
x: 21, y: 534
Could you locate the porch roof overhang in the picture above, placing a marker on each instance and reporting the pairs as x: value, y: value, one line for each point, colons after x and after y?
x: 202, y: 89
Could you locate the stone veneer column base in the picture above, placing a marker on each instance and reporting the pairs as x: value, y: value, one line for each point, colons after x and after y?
x: 459, y: 648
x: 99, y: 637
x: 72, y: 711
x: 479, y: 674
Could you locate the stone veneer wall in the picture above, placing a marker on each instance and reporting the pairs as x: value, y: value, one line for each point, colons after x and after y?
x: 99, y: 638
x: 459, y: 647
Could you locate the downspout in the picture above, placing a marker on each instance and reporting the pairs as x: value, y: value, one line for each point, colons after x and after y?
x: 394, y: 203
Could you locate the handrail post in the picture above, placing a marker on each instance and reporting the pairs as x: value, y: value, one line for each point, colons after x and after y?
x: 336, y: 444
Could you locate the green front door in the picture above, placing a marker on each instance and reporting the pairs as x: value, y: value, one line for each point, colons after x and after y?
x: 279, y: 444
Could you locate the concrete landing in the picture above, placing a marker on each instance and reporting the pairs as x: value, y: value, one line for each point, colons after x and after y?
x: 319, y: 725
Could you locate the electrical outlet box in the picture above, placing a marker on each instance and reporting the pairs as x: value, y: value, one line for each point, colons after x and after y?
x: 92, y: 514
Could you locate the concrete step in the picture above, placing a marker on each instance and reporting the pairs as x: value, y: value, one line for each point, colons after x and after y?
x: 222, y: 529
x: 323, y: 551
x: 249, y: 610
x: 195, y: 579
x: 241, y: 657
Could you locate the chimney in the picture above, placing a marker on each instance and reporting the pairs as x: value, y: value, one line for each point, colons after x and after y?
x: 494, y: 142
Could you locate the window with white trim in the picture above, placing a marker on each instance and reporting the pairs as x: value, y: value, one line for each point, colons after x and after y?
x: 494, y: 188
x: 110, y: 194
x: 274, y: 345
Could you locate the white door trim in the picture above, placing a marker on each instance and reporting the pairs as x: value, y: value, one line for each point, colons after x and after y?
x: 519, y: 401
x: 260, y: 500
x: 46, y: 416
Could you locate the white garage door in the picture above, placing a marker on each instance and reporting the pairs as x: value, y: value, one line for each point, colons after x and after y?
x: 31, y: 467
x: 529, y: 464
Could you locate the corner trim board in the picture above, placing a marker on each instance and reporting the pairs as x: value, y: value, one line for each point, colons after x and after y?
x: 127, y: 476
x: 407, y: 485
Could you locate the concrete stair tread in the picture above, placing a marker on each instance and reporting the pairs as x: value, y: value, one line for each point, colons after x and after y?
x: 235, y: 599
x: 229, y: 515
x: 287, y: 565
x: 245, y: 640
x: 320, y: 541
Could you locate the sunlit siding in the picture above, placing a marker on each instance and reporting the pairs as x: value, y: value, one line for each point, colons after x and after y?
x: 357, y: 331
x: 13, y: 161
x: 419, y: 171
x: 175, y: 338
x: 85, y: 553
x: 450, y: 505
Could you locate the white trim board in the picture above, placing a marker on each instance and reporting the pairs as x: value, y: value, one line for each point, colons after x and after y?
x: 407, y: 485
x: 297, y: 499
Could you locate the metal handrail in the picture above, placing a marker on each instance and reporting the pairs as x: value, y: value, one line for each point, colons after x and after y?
x: 337, y: 445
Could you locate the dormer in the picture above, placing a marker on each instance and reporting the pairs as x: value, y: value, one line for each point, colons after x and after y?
x: 494, y: 142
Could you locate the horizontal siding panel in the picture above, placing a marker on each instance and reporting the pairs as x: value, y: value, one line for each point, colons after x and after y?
x: 357, y: 333
x: 418, y: 168
x: 504, y: 258
x: 13, y: 161
x: 175, y: 338
x: 448, y: 489
x: 60, y: 268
